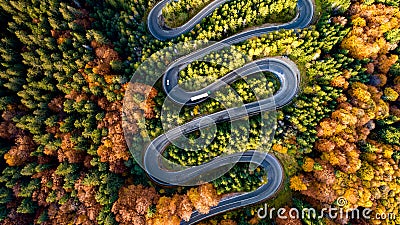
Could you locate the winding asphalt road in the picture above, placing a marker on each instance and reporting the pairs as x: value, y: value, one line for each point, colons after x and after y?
x: 284, y: 69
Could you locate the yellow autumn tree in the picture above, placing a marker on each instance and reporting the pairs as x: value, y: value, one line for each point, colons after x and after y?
x: 297, y: 184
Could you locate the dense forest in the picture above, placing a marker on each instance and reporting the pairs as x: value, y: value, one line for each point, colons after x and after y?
x: 65, y: 67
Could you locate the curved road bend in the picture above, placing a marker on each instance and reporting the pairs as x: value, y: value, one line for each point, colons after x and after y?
x: 289, y: 79
x: 303, y: 18
x: 284, y: 69
x: 164, y: 33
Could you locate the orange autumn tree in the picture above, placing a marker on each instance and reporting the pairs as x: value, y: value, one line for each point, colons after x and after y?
x: 171, y: 210
x: 361, y: 174
x: 370, y: 23
x: 133, y: 204
x: 113, y: 148
x: 20, y: 153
